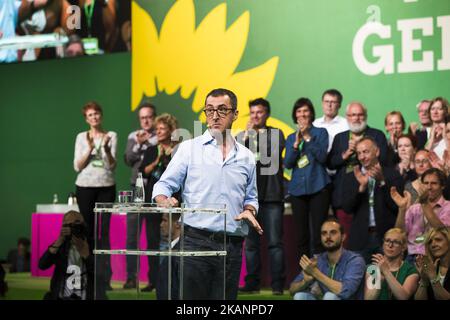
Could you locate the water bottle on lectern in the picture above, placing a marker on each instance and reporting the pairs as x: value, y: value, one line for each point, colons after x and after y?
x: 139, y: 193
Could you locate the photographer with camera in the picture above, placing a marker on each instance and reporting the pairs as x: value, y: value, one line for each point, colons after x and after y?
x: 156, y: 159
x: 73, y: 277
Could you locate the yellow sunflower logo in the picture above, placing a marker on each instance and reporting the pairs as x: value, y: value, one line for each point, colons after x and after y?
x: 194, y: 60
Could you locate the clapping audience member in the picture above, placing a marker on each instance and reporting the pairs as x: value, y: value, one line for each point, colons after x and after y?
x: 155, y: 161
x: 432, y: 211
x: 421, y: 164
x: 438, y: 113
x: 138, y: 142
x: 394, y: 278
x: 395, y: 125
x: 343, y: 159
x: 336, y: 274
x: 406, y: 150
x: 95, y: 162
x: 433, y: 266
x: 309, y: 188
x: 422, y: 132
x: 367, y: 198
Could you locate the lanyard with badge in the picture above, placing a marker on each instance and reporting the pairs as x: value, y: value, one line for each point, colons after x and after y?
x: 90, y: 43
x: 98, y: 161
x: 303, y: 161
x: 371, y: 192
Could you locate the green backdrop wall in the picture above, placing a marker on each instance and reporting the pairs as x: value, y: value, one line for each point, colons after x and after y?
x: 40, y: 115
x: 40, y: 102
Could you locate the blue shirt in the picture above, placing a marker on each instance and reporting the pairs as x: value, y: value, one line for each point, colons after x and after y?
x: 313, y: 177
x: 349, y: 270
x: 9, y: 17
x: 198, y: 169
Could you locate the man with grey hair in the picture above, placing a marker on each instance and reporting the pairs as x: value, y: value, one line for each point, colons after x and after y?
x: 423, y: 132
x: 342, y: 156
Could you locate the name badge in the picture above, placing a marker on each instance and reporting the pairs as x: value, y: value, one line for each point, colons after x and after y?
x: 90, y: 45
x: 419, y: 239
x: 349, y: 169
x: 303, y: 161
x: 98, y: 163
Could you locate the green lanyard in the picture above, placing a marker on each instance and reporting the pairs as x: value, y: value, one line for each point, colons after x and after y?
x: 332, y: 270
x: 89, y: 11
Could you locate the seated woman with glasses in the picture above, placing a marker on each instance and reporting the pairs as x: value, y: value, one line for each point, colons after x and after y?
x: 390, y: 277
x: 433, y: 266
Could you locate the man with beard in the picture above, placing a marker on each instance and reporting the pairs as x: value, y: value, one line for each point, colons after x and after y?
x: 342, y: 156
x: 335, y: 274
x: 367, y: 198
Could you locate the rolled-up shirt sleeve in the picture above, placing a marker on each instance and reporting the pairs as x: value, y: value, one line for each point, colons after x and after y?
x: 251, y: 192
x: 353, y: 277
x: 175, y: 174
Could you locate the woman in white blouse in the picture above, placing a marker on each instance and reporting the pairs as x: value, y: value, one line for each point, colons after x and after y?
x: 438, y: 113
x: 95, y: 161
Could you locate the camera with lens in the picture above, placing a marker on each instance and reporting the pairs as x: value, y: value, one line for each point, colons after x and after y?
x: 77, y: 229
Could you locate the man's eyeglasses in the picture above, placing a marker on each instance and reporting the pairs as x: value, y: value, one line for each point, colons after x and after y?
x: 394, y: 243
x: 221, y: 111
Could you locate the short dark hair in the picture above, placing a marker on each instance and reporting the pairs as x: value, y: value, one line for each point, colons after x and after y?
x: 441, y: 175
x: 23, y: 241
x: 147, y: 105
x: 334, y: 93
x: 260, y: 101
x: 219, y: 92
x: 302, y: 102
x: 335, y: 220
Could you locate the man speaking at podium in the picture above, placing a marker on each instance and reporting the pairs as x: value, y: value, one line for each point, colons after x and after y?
x: 213, y: 169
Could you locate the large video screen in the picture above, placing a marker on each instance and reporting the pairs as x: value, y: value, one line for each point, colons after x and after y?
x: 33, y: 30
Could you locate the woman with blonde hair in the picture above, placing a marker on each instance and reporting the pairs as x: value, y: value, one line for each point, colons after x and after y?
x: 395, y: 278
x: 433, y: 266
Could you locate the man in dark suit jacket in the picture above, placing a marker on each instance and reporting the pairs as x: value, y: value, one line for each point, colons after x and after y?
x: 367, y: 198
x: 162, y: 283
x: 422, y: 133
x: 342, y: 156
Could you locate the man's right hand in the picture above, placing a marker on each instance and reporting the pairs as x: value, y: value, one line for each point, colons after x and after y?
x: 350, y: 150
x: 142, y: 136
x: 165, y: 202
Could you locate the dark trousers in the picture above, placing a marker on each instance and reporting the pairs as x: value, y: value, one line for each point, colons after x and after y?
x: 270, y: 217
x: 203, y: 277
x: 152, y: 226
x: 87, y: 197
x: 309, y: 212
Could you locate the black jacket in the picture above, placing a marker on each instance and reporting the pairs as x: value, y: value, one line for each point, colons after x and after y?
x: 335, y: 161
x: 357, y: 204
x: 270, y: 187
